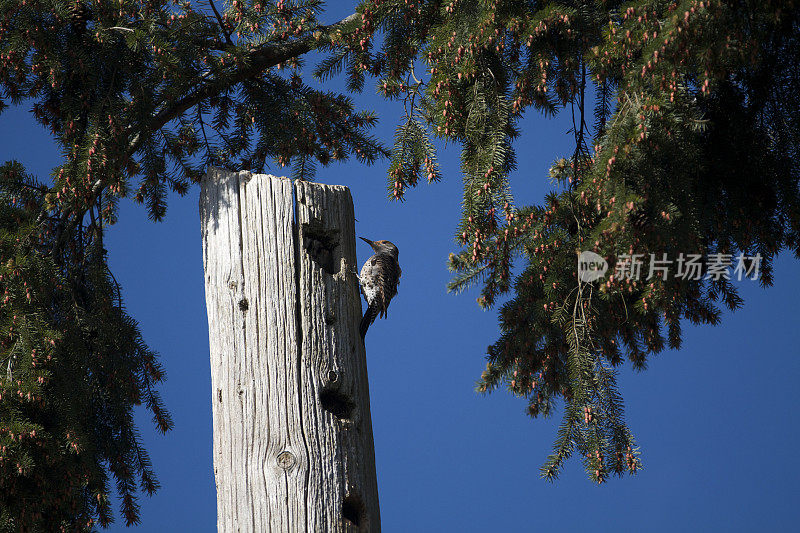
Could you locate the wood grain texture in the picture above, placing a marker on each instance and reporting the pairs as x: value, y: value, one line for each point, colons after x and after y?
x: 293, y: 448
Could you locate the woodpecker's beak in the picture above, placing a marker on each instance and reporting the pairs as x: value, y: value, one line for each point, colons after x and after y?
x: 367, y: 241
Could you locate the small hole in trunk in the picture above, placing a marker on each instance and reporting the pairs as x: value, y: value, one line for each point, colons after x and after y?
x: 337, y: 403
x: 353, y: 510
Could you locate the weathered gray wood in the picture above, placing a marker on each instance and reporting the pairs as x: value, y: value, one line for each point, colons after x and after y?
x: 293, y: 447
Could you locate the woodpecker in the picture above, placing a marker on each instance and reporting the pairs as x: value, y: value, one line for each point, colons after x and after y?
x: 379, y: 278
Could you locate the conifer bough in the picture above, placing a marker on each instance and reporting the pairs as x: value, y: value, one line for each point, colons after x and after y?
x: 691, y: 147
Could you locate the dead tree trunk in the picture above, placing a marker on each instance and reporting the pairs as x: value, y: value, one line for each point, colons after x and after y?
x: 293, y: 447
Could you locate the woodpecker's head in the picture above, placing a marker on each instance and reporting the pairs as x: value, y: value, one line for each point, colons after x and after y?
x: 382, y: 247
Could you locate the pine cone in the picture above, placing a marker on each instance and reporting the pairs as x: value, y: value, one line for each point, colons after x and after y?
x: 80, y: 15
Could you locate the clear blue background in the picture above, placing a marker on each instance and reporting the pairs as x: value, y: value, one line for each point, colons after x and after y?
x: 717, y: 420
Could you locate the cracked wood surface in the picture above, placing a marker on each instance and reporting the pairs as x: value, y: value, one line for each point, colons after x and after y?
x: 293, y: 447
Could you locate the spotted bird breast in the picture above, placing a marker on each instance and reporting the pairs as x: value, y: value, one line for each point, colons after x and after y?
x: 380, y: 276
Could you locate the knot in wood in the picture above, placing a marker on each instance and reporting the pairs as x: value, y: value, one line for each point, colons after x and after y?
x: 286, y: 460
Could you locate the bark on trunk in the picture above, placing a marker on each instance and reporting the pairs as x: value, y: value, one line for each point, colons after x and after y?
x: 293, y: 448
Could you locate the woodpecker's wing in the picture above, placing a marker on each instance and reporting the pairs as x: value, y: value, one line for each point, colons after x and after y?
x: 389, y: 277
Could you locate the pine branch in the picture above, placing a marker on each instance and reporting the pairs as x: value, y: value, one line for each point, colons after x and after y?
x: 222, y: 27
x: 256, y: 62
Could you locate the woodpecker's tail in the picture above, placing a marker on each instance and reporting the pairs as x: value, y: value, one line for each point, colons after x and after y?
x: 369, y: 317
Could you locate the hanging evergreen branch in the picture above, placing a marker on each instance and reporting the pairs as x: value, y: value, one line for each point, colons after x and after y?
x: 76, y: 367
x: 694, y: 152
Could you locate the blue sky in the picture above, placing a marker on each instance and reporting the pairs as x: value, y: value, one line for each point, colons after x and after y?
x: 716, y: 420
